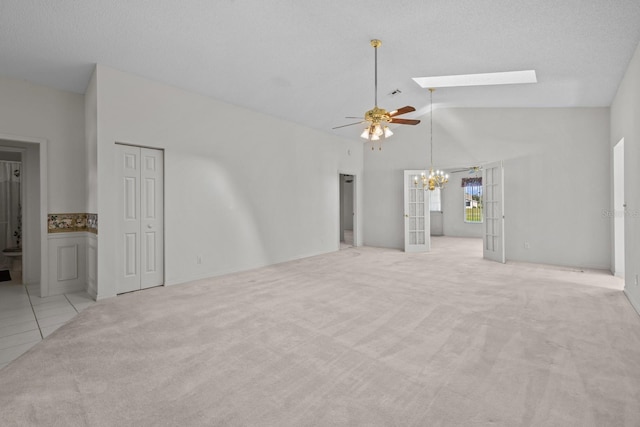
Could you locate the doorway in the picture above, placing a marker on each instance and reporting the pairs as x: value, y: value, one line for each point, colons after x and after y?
x: 141, y: 218
x: 11, y: 201
x: 619, y: 206
x: 347, y: 210
x: 32, y: 260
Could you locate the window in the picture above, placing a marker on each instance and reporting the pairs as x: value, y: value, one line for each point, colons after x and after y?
x: 435, y: 203
x: 472, y: 199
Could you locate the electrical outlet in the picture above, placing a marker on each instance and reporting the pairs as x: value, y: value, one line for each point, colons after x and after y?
x: 636, y: 280
x: 527, y: 245
x: 199, y: 259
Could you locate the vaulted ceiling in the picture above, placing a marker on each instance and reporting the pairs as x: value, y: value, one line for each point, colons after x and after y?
x: 311, y: 62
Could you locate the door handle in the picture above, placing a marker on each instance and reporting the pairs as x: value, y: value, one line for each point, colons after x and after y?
x: 149, y: 226
x: 406, y: 215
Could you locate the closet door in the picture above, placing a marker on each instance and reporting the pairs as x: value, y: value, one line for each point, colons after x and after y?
x: 140, y: 223
x: 152, y: 223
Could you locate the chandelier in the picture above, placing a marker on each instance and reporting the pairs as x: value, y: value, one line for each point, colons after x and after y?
x: 436, y: 178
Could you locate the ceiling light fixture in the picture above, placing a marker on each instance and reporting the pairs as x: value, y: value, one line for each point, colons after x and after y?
x: 484, y: 79
x: 378, y: 118
x: 437, y: 178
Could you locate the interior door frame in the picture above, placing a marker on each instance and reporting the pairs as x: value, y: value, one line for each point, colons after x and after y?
x: 355, y: 205
x: 42, y: 145
x: 407, y: 183
x: 163, y: 204
x: 24, y: 205
x: 619, y: 208
x: 498, y: 256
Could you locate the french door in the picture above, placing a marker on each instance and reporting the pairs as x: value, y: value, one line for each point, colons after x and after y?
x: 493, y: 200
x: 140, y: 223
x: 417, y: 234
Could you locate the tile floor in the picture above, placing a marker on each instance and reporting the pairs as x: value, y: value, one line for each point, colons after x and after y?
x: 26, y: 319
x: 348, y: 240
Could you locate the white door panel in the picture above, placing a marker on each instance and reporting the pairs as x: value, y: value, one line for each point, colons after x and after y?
x: 129, y: 219
x: 152, y: 252
x: 416, y: 213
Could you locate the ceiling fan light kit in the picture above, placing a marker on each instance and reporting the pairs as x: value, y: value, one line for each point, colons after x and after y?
x: 377, y: 118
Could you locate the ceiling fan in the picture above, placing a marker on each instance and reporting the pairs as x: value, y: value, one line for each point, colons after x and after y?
x: 378, y: 118
x: 471, y: 169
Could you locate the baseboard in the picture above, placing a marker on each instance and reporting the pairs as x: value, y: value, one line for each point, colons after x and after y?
x: 635, y: 304
x: 220, y: 273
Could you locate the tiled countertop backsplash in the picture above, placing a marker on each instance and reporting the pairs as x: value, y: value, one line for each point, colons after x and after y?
x: 70, y: 222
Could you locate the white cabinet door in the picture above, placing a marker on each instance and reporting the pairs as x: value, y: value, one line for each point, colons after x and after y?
x: 493, y: 200
x: 140, y: 221
x: 417, y: 235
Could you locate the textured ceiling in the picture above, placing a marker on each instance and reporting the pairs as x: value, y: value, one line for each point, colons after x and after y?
x: 311, y: 62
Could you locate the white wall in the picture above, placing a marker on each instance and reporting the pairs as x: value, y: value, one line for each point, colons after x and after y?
x: 242, y: 189
x: 383, y: 184
x: 34, y: 111
x: 91, y: 145
x: 453, y: 209
x: 55, y: 118
x: 552, y: 156
x: 625, y: 123
x: 91, y: 159
x: 436, y: 225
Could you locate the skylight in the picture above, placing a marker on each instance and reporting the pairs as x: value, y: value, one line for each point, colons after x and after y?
x: 484, y: 79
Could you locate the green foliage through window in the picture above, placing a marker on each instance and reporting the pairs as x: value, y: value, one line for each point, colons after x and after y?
x: 472, y: 199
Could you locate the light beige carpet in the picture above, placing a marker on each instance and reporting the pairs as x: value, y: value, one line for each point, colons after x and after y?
x: 360, y: 337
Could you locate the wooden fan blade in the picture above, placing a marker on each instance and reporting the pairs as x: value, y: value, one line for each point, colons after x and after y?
x: 403, y: 110
x: 404, y: 121
x: 350, y: 124
x: 472, y: 169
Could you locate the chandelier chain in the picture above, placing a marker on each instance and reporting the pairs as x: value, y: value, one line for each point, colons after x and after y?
x: 431, y: 125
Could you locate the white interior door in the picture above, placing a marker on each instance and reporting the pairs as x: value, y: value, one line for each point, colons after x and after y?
x: 141, y: 224
x: 417, y: 236
x: 152, y: 218
x: 493, y: 201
